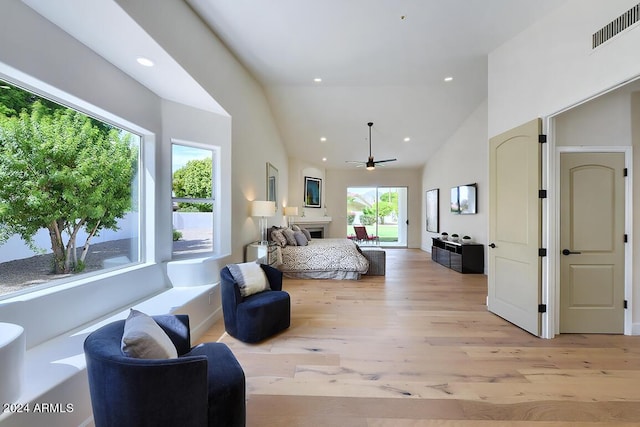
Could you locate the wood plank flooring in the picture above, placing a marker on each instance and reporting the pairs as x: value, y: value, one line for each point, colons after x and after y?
x: 418, y: 348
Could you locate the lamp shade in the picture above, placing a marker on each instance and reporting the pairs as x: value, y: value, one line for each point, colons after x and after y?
x: 263, y: 208
x: 291, y: 210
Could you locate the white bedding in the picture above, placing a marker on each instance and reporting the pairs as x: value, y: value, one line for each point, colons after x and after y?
x: 324, y: 259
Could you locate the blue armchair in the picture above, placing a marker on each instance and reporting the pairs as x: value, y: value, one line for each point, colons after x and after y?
x: 204, y: 386
x: 256, y: 317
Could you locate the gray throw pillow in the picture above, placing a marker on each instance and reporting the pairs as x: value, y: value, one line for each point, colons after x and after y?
x: 306, y: 233
x: 301, y: 239
x: 143, y: 338
x: 289, y: 235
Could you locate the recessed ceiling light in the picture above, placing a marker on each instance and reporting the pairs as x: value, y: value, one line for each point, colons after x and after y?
x: 323, y: 139
x: 448, y: 79
x: 324, y: 159
x: 407, y: 139
x: 145, y: 62
x: 317, y: 80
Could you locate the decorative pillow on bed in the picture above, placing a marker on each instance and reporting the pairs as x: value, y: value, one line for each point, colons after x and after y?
x: 279, y: 238
x: 289, y: 235
x: 306, y: 233
x: 295, y: 227
x: 249, y: 277
x: 143, y: 338
x: 301, y: 239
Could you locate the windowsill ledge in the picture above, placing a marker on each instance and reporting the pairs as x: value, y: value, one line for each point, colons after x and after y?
x: 56, y: 361
x: 195, y: 271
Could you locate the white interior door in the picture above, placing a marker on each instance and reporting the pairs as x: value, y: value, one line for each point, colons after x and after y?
x: 514, y: 279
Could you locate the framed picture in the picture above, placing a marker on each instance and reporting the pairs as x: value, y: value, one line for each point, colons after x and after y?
x: 312, y: 192
x: 432, y: 200
x: 272, y: 184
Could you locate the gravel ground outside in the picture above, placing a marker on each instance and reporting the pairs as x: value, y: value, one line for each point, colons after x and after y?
x: 25, y: 273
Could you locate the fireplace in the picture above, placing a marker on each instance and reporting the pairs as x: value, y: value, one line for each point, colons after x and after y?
x: 316, y: 232
x: 317, y: 227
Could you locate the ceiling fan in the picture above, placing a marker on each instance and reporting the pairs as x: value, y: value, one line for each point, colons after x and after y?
x: 370, y: 163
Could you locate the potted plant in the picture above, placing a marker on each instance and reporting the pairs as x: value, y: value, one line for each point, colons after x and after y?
x: 444, y: 235
x: 454, y: 237
x: 466, y: 239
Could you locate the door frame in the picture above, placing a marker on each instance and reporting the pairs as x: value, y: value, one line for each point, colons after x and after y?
x: 554, y: 258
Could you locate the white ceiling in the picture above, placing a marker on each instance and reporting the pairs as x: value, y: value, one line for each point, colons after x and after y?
x: 381, y: 61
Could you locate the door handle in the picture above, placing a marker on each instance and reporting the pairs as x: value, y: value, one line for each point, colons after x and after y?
x: 492, y: 245
x: 568, y: 252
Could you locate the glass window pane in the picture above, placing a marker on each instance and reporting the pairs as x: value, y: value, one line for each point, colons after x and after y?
x: 193, y: 203
x: 74, y: 210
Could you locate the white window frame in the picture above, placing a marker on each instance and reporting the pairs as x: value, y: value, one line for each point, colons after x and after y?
x: 215, y: 196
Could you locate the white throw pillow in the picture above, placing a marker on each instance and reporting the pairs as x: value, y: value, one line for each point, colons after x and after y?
x: 143, y: 338
x: 249, y: 277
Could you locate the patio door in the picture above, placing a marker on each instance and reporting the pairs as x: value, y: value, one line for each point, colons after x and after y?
x: 382, y: 210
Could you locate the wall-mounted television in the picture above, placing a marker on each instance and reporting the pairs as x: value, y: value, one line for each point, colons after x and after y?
x: 464, y: 199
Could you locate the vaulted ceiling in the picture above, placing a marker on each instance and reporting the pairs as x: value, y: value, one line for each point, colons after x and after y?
x: 380, y: 61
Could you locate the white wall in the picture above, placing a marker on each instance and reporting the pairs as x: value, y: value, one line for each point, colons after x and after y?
x: 463, y: 159
x: 551, y: 65
x: 298, y: 169
x: 604, y: 121
x: 338, y: 180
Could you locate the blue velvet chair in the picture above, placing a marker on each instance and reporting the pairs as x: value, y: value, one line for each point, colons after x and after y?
x: 204, y: 386
x: 258, y: 316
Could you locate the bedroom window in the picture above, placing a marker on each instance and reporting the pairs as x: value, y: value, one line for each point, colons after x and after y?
x: 69, y: 193
x: 193, y: 172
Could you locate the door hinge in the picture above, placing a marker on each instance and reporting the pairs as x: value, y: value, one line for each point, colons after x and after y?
x: 626, y: 305
x: 542, y: 139
x: 625, y: 172
x: 626, y: 238
x: 542, y: 194
x: 542, y: 308
x: 542, y: 252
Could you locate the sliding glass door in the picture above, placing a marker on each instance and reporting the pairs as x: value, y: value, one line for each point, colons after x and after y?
x: 383, y: 212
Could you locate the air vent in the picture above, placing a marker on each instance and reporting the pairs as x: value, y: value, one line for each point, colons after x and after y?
x: 616, y: 26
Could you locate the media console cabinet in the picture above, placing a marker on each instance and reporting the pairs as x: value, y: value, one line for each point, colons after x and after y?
x: 461, y: 257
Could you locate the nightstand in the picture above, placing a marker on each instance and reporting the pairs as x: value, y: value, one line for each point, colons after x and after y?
x: 254, y: 251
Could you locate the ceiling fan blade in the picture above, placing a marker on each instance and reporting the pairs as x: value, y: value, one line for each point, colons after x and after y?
x: 385, y: 161
x: 355, y: 162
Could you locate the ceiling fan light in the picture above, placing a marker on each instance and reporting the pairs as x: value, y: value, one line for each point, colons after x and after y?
x: 371, y: 165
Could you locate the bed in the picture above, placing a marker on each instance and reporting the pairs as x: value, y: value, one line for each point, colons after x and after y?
x: 322, y: 259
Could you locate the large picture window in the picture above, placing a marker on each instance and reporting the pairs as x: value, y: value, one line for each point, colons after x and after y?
x: 193, y: 198
x: 69, y: 193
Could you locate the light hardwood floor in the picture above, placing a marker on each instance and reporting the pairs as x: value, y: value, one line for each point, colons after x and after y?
x: 418, y: 348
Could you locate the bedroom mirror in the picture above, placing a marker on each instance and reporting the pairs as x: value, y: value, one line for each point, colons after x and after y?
x: 272, y: 184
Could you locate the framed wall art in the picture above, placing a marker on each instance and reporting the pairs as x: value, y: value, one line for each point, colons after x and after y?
x: 312, y: 192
